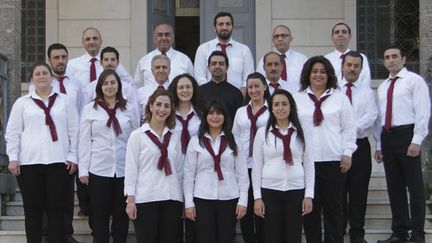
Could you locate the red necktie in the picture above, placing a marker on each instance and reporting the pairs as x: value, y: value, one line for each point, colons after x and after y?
x: 318, y: 116
x: 160, y: 87
x: 48, y: 119
x: 163, y: 162
x: 61, y: 85
x: 216, y: 158
x: 284, y: 70
x: 342, y: 57
x: 388, y: 115
x: 275, y: 85
x: 349, y: 91
x: 286, y: 139
x: 112, y: 119
x: 93, y: 69
x: 253, y: 129
x: 185, y: 136
x: 224, y: 47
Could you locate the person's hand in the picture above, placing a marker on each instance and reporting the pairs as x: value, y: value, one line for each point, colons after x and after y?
x: 240, y: 211
x: 378, y: 156
x: 71, y: 167
x: 345, y: 164
x: 84, y: 180
x: 190, y: 213
x: 14, y: 167
x: 306, y: 206
x: 413, y: 150
x: 259, y: 208
x: 131, y: 211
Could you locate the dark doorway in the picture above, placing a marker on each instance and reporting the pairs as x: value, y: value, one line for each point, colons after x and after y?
x: 187, y: 37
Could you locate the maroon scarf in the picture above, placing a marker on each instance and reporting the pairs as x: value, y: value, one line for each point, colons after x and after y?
x: 253, y: 129
x: 48, y: 119
x: 185, y: 136
x: 112, y: 119
x: 163, y: 162
x: 216, y: 158
x: 318, y: 116
x: 286, y: 139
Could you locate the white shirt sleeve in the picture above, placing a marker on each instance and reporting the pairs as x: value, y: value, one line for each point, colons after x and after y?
x: 85, y: 138
x: 14, y: 130
x: 73, y: 131
x: 348, y: 128
x: 258, y: 161
x: 200, y: 68
x: 371, y: 112
x: 241, y: 173
x: 189, y: 173
x: 132, y: 163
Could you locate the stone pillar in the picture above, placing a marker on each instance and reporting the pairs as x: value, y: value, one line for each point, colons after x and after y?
x: 10, y: 44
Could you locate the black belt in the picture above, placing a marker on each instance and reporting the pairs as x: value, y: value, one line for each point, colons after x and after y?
x: 399, y: 128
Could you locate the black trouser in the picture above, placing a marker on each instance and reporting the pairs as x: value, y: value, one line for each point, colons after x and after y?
x: 43, y: 188
x: 402, y: 172
x: 158, y: 222
x: 107, y: 198
x: 329, y: 183
x: 216, y: 220
x: 190, y: 231
x: 251, y: 225
x: 356, y: 189
x: 283, y: 215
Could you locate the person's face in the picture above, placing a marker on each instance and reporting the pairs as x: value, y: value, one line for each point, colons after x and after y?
x: 160, y: 69
x: 341, y: 37
x: 393, y: 61
x: 281, y: 39
x: 92, y: 41
x: 41, y: 77
x: 351, y: 68
x: 109, y: 61
x: 224, y: 27
x: 163, y: 37
x: 281, y: 107
x: 215, y: 119
x: 255, y: 89
x: 273, y: 67
x: 58, y: 61
x: 160, y: 108
x: 184, y: 90
x: 318, y: 77
x: 217, y: 68
x: 110, y: 87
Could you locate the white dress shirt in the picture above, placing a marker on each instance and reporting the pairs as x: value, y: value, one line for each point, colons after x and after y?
x: 336, y: 136
x: 336, y: 60
x: 242, y: 125
x: 411, y: 105
x: 200, y: 177
x: 193, y: 125
x: 100, y: 151
x: 270, y: 170
x: 142, y: 177
x: 144, y: 94
x: 294, y: 62
x: 288, y: 86
x: 240, y: 61
x: 364, y: 108
x: 28, y: 138
x: 180, y: 64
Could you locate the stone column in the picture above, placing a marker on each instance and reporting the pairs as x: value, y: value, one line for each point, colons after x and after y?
x: 426, y: 39
x: 10, y: 45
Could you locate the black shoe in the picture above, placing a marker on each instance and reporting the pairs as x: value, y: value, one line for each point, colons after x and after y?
x: 393, y: 239
x: 416, y: 240
x: 44, y: 239
x: 358, y: 240
x: 69, y: 239
x: 83, y: 213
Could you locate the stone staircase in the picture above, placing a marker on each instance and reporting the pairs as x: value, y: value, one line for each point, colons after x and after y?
x: 378, y: 217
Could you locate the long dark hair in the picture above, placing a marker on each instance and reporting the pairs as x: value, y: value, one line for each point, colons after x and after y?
x: 216, y: 105
x: 307, y: 69
x: 99, y: 94
x: 293, y: 116
x: 196, y: 99
x: 257, y: 75
x: 170, y: 121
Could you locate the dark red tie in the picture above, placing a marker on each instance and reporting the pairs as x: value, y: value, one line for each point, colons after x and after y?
x: 48, y: 119
x: 93, y: 69
x: 185, y: 136
x: 284, y: 70
x: 389, y: 107
x: 253, y: 129
x: 216, y: 158
x: 275, y: 85
x: 318, y: 116
x: 349, y: 91
x: 224, y: 47
x: 342, y: 57
x: 286, y: 139
x: 112, y: 119
x: 61, y: 84
x: 163, y: 162
x: 161, y: 87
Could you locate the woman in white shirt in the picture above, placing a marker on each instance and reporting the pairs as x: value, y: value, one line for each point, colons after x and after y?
x: 215, y: 178
x: 106, y: 124
x: 154, y: 173
x: 188, y: 104
x: 325, y: 114
x: 42, y: 138
x: 282, y: 172
x: 247, y: 121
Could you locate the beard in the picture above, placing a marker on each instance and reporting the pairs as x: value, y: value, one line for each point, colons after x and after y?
x: 224, y: 35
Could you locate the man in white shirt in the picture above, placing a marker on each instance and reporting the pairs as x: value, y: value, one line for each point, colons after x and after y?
x: 341, y: 37
x: 239, y: 55
x: 272, y: 64
x: 365, y: 114
x: 163, y: 37
x: 404, y: 111
x: 292, y: 60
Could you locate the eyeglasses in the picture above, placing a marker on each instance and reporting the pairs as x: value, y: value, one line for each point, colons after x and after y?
x: 276, y: 36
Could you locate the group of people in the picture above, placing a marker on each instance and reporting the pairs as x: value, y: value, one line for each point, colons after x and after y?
x: 186, y: 150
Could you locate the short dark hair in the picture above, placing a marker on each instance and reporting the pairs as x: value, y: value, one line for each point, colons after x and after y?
x: 341, y: 23
x: 218, y: 53
x: 99, y: 94
x: 401, y: 50
x: 270, y: 53
x: 110, y: 49
x: 223, y: 14
x: 257, y: 75
x: 352, y: 54
x: 39, y: 64
x: 56, y: 46
x: 307, y: 69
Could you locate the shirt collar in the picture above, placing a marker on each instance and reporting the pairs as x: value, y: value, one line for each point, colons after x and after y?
x: 207, y: 135
x: 401, y: 74
x: 168, y: 53
x: 191, y: 110
x: 290, y: 125
x: 230, y: 42
x: 344, y: 82
x: 88, y: 57
x: 146, y: 127
x: 326, y: 93
x: 34, y: 95
x: 265, y: 103
x: 341, y: 53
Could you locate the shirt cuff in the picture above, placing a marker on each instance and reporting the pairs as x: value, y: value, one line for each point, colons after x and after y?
x: 72, y: 158
x: 309, y: 193
x: 243, y: 200
x: 129, y: 191
x: 417, y: 139
x: 257, y: 194
x: 378, y: 145
x: 82, y: 172
x: 189, y: 203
